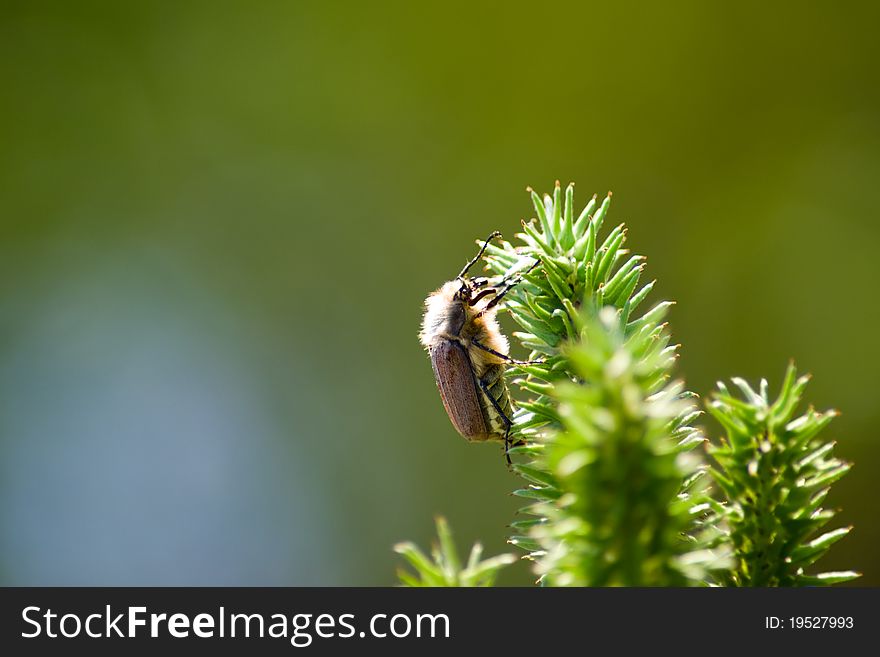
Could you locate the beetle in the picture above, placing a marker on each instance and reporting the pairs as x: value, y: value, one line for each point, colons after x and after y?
x: 469, y: 353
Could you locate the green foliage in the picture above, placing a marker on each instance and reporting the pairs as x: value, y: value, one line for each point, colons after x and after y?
x: 775, y: 473
x: 616, y: 493
x: 622, y: 518
x: 444, y: 568
x: 614, y: 499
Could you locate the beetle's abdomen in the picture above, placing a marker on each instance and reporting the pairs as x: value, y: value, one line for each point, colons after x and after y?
x: 458, y: 389
x: 497, y: 387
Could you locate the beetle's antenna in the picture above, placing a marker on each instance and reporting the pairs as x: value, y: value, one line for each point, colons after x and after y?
x: 480, y: 254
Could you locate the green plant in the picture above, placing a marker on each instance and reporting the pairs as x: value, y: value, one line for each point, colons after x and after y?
x: 627, y: 513
x: 608, y: 439
x: 616, y: 493
x: 775, y: 473
x: 443, y: 567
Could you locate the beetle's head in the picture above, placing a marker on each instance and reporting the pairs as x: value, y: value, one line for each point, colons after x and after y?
x: 472, y: 290
x: 465, y: 290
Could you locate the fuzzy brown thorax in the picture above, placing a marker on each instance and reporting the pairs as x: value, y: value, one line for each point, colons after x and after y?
x: 449, y: 315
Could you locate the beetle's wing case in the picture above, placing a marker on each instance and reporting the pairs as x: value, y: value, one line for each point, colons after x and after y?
x: 458, y: 389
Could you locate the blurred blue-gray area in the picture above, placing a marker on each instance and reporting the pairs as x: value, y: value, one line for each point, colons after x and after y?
x: 218, y: 222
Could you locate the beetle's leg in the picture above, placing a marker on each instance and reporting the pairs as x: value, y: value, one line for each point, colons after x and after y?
x: 480, y: 254
x: 505, y: 357
x: 485, y: 293
x: 517, y: 275
x: 507, y: 288
x: 508, y: 424
x: 505, y: 284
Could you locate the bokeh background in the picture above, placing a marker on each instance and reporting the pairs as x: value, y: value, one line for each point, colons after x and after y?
x: 218, y: 222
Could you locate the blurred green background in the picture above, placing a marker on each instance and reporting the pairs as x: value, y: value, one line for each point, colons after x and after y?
x: 219, y: 221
